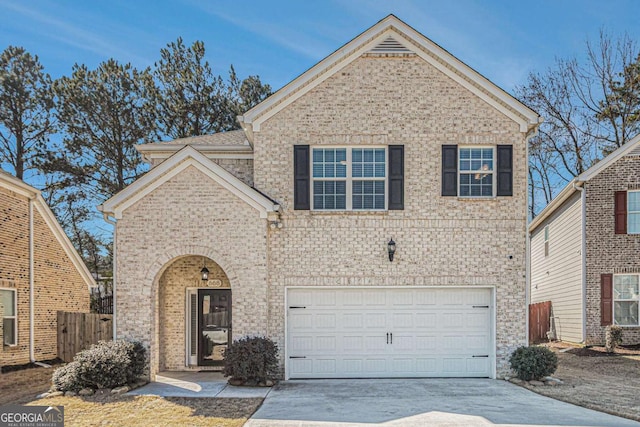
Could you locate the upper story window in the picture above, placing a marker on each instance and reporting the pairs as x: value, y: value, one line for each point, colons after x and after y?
x: 9, y: 319
x: 633, y: 212
x: 476, y: 172
x: 483, y: 172
x: 349, y: 178
x: 626, y: 297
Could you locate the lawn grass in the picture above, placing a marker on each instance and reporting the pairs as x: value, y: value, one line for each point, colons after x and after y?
x: 109, y: 410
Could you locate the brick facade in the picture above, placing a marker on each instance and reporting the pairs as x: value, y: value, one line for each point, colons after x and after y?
x: 442, y: 241
x: 607, y: 252
x: 188, y: 215
x: 57, y: 283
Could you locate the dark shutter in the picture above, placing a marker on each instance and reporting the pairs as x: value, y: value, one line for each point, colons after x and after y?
x: 301, y: 177
x: 505, y: 170
x: 396, y: 177
x: 449, y: 170
x: 606, y: 299
x: 620, y: 212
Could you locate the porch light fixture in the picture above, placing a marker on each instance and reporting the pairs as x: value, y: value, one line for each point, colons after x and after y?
x: 205, y: 271
x: 391, y: 247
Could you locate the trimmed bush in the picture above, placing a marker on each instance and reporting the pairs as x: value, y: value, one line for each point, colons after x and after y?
x: 251, y: 359
x: 613, y: 338
x: 107, y: 364
x: 533, y: 363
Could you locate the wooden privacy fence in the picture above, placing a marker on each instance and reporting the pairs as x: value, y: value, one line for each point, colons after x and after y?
x: 539, y: 321
x: 102, y: 305
x: 77, y: 331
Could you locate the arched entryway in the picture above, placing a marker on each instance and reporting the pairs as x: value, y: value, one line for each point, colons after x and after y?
x: 194, y: 315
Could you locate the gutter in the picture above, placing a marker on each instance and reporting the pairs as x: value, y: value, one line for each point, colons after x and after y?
x: 105, y: 216
x: 579, y: 186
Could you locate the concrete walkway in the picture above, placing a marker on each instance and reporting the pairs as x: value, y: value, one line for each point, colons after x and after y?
x: 419, y: 402
x: 197, y: 384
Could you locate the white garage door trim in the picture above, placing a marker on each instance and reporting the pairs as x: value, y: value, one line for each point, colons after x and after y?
x: 492, y: 315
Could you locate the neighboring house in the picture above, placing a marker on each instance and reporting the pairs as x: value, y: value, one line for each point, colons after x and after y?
x: 40, y: 273
x: 390, y: 138
x: 585, y: 251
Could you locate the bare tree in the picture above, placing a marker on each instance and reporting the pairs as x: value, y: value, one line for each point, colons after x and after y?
x: 586, y: 114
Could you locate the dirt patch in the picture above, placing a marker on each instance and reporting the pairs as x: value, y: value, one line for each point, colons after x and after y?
x: 24, y: 385
x: 134, y: 411
x: 597, y: 380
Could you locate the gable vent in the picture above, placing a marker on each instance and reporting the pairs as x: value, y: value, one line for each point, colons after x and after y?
x: 390, y: 45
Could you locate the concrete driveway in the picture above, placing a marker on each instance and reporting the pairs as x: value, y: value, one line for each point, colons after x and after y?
x: 419, y: 402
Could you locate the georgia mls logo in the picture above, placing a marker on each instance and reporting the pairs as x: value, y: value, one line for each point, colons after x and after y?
x: 31, y: 416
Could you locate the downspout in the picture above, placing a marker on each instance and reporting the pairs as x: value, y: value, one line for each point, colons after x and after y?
x: 113, y: 275
x: 583, y: 250
x: 32, y: 357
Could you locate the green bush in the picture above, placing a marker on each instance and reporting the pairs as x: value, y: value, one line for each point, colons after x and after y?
x: 533, y: 363
x: 251, y: 359
x: 107, y: 364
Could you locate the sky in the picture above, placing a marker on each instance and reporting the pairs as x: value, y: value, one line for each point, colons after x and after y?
x: 278, y: 40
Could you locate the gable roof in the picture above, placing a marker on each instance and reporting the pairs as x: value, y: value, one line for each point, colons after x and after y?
x: 631, y: 148
x: 390, y: 35
x: 187, y: 156
x: 18, y: 186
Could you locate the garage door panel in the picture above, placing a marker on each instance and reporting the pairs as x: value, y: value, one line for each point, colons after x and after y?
x: 325, y: 321
x: 349, y: 334
x: 426, y: 320
x: 402, y: 320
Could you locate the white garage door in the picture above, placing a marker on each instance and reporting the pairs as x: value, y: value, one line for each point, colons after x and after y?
x: 389, y: 332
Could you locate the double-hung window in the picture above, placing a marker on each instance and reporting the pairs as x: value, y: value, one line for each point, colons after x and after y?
x: 9, y: 318
x: 633, y: 212
x: 349, y: 178
x: 626, y: 297
x: 475, y: 170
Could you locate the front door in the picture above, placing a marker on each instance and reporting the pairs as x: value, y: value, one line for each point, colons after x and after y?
x: 214, y: 325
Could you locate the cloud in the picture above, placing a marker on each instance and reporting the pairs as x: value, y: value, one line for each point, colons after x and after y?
x: 70, y: 34
x: 286, y: 36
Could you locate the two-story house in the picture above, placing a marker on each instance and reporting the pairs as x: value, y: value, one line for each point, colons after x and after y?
x: 585, y: 251
x: 370, y: 217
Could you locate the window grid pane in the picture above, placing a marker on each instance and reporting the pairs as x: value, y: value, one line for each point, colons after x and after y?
x: 329, y: 194
x: 368, y: 165
x: 329, y: 163
x: 9, y: 331
x: 626, y: 290
x: 368, y: 194
x: 7, y: 298
x: 476, y: 172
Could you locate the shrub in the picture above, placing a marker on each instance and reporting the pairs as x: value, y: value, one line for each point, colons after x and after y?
x: 107, y: 364
x: 613, y: 338
x: 251, y: 359
x: 533, y: 363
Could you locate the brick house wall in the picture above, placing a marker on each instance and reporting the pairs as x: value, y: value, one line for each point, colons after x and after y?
x: 442, y: 241
x: 607, y: 252
x: 190, y: 214
x: 58, y: 284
